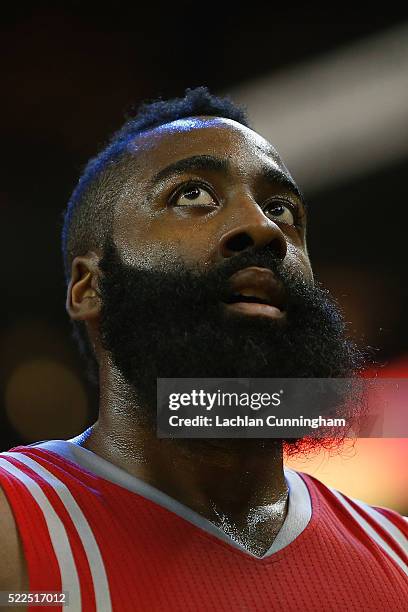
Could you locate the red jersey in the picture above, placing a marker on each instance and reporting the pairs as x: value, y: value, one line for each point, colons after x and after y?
x: 116, y: 543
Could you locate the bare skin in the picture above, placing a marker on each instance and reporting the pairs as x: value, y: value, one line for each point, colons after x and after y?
x: 238, y: 485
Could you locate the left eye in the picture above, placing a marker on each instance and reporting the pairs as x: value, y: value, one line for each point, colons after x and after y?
x: 193, y: 194
x: 281, y: 211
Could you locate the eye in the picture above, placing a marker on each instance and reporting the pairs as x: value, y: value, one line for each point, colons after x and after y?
x: 193, y: 194
x: 282, y: 212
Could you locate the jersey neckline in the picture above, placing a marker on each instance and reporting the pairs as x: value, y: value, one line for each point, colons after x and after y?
x: 299, y: 504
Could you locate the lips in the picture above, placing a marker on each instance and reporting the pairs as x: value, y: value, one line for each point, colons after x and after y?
x: 256, y: 291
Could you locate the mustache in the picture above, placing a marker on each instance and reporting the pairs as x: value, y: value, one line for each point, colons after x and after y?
x: 263, y: 258
x: 215, y: 280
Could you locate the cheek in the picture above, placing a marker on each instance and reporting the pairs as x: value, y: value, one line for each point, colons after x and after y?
x: 298, y: 260
x: 138, y: 243
x: 149, y: 242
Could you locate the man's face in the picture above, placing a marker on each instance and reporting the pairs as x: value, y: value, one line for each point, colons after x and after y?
x: 208, y: 274
x: 202, y: 190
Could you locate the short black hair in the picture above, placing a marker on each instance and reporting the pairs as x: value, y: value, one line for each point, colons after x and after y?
x: 87, y: 219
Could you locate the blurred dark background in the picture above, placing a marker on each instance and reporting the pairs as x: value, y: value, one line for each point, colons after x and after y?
x: 69, y: 73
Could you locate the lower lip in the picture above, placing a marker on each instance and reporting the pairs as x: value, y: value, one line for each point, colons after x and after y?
x: 255, y: 309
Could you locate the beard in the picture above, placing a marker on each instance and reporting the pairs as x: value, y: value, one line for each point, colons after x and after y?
x: 171, y: 322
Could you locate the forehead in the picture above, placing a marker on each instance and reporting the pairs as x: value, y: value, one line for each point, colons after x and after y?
x: 217, y: 136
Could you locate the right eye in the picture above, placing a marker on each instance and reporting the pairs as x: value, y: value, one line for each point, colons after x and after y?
x: 193, y: 194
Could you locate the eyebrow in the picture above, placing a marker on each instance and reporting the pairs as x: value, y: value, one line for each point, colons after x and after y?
x: 196, y: 162
x: 219, y: 164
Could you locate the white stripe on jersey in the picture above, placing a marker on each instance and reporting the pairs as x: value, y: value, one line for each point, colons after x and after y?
x: 93, y: 554
x: 371, y: 531
x: 58, y: 535
x: 386, y: 524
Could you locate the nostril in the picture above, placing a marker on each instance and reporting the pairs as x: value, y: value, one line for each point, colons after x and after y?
x: 238, y: 243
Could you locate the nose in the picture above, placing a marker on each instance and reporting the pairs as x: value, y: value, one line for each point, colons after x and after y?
x: 254, y: 234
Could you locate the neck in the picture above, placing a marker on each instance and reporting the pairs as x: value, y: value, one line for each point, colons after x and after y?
x: 237, y: 484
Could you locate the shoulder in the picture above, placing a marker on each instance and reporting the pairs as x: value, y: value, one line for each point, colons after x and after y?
x: 13, y: 574
x: 382, y: 526
x: 353, y: 506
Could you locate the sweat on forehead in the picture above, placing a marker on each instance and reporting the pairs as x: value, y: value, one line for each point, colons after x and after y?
x: 183, y: 132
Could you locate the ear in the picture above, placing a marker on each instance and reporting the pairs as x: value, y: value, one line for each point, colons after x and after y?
x: 83, y: 299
